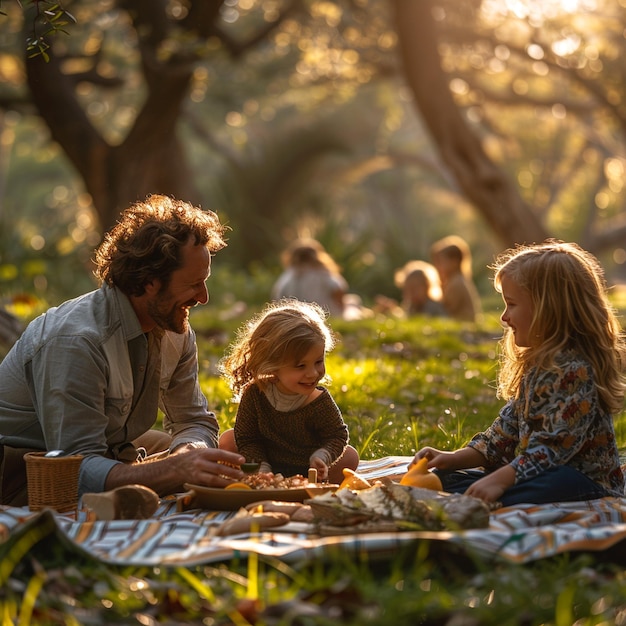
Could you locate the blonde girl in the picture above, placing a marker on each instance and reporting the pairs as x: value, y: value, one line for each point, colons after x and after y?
x: 561, y: 374
x: 286, y: 420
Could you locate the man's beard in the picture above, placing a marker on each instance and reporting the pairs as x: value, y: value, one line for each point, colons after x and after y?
x: 174, y: 319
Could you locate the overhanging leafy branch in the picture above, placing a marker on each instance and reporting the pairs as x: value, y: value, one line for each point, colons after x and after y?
x: 49, y: 18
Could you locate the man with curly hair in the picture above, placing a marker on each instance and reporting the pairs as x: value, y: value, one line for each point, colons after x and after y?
x: 89, y: 376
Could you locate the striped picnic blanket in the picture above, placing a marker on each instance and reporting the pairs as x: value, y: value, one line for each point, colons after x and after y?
x: 517, y: 534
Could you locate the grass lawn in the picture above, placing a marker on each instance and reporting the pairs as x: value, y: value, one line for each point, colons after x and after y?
x: 400, y: 385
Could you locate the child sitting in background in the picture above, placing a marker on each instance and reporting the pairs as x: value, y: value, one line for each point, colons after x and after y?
x: 562, y: 376
x: 286, y: 420
x: 311, y: 275
x: 453, y: 259
x: 421, y: 289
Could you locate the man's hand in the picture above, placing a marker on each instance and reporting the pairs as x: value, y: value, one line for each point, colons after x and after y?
x: 208, y: 467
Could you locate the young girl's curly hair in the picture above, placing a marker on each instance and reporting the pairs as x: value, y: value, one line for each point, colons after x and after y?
x: 281, y: 334
x: 571, y: 310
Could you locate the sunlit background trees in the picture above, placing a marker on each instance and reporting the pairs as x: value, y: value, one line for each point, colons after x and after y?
x: 377, y: 126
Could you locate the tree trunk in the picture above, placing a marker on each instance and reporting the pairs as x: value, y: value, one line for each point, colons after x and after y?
x: 482, y: 182
x: 150, y: 159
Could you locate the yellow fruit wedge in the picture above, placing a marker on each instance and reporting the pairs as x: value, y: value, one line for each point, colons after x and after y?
x: 420, y: 476
x: 237, y: 486
x: 353, y: 481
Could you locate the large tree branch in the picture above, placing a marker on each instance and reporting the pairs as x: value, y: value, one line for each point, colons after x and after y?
x: 237, y: 48
x: 480, y: 179
x: 202, y: 17
x: 594, y: 86
x: 52, y: 92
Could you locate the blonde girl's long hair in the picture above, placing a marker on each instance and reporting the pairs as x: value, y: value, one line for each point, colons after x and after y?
x: 281, y: 334
x: 571, y: 310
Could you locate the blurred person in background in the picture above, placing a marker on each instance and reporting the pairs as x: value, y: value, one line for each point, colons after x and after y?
x: 311, y: 275
x: 453, y: 259
x: 419, y: 284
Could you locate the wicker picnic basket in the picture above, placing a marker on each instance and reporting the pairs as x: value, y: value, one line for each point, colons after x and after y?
x: 52, y: 481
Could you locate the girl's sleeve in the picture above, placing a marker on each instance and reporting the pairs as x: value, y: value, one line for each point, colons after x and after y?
x: 333, y: 431
x: 563, y: 408
x: 247, y: 434
x: 499, y: 442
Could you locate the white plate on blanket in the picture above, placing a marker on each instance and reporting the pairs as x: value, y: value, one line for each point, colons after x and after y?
x: 213, y: 499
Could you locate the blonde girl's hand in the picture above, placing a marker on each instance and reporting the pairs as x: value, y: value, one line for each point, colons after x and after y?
x: 492, y: 486
x: 443, y: 460
x: 436, y: 458
x: 429, y: 453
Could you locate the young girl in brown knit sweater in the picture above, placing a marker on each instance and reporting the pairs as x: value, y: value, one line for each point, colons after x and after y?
x: 286, y: 420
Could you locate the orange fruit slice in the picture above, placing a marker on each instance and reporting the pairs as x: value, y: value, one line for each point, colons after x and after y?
x: 352, y: 480
x: 420, y: 476
x: 237, y: 486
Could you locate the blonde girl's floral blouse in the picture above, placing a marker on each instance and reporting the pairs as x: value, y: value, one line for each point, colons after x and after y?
x: 557, y: 420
